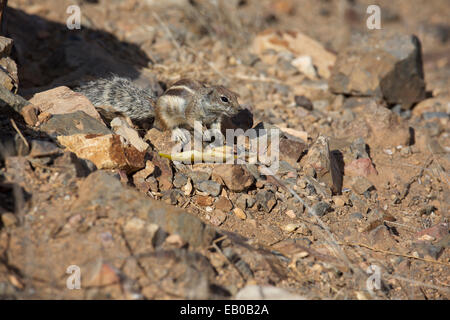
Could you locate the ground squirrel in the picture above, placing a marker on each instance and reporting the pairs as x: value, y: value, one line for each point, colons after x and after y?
x: 183, y: 103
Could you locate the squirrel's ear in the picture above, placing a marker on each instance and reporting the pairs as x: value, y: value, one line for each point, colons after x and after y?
x: 210, y: 91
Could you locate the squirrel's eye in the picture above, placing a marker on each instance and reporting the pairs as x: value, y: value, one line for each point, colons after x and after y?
x: 224, y: 99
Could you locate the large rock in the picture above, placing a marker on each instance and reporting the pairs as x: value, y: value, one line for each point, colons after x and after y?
x: 62, y: 100
x: 383, y: 65
x: 105, y: 151
x: 102, y: 189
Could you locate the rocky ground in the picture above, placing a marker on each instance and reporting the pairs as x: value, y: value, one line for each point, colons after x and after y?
x: 362, y: 189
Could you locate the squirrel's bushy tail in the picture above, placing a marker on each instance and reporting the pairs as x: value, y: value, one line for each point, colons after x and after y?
x: 119, y: 96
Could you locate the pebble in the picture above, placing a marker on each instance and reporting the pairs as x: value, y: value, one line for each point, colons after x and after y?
x: 9, y: 219
x: 238, y: 212
x: 291, y: 227
x: 187, y: 189
x: 180, y: 180
x: 204, y: 201
x: 223, y: 204
x: 339, y: 201
x: 320, y: 208
x: 291, y: 214
x: 210, y: 187
x: 218, y: 217
x: 266, y: 200
x: 356, y: 216
x: 198, y: 176
x: 302, y: 101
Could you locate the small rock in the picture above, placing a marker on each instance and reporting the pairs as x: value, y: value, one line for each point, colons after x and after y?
x: 238, y: 212
x: 134, y: 225
x: 360, y: 167
x: 29, y: 114
x: 224, y: 204
x: 359, y: 148
x: 204, y: 201
x: 218, y: 217
x: 172, y: 196
x: 386, y: 127
x: 304, y: 102
x: 123, y: 129
x: 6, y: 45
x: 198, y: 175
x: 161, y: 140
x: 163, y: 171
x: 323, y: 191
x: 304, y: 64
x: 359, y: 203
x: 242, y: 120
x: 381, y: 238
x: 339, y: 201
x: 241, y: 201
x: 325, y: 164
x: 210, y: 187
x: 320, y: 208
x: 175, y: 240
x: 187, y: 189
x: 356, y: 216
x: 291, y: 150
x: 179, y: 180
x: 140, y: 177
x: 291, y: 227
x: 9, y: 219
x: 291, y: 214
x: 436, y: 232
x: 235, y: 177
x: 295, y: 135
x: 426, y: 249
x: 266, y: 200
x: 361, y: 185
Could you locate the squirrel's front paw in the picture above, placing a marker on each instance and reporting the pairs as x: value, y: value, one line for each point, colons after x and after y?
x: 181, y: 135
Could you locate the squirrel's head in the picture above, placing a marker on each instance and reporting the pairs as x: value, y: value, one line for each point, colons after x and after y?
x: 223, y: 100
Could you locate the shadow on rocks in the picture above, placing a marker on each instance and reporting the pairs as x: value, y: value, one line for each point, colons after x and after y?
x: 48, y: 54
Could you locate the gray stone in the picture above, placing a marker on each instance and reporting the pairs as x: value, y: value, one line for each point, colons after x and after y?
x: 302, y: 101
x: 266, y: 200
x: 198, y: 175
x: 73, y: 123
x: 359, y: 149
x: 320, y: 208
x: 179, y: 180
x: 210, y: 187
x: 40, y: 148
